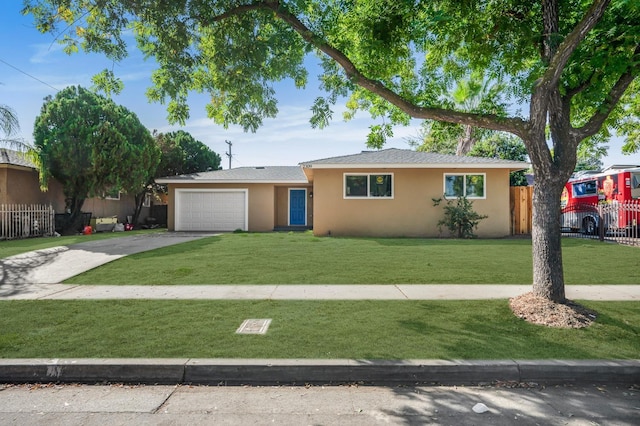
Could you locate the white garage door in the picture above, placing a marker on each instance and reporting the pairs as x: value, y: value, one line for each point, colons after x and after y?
x: 213, y: 210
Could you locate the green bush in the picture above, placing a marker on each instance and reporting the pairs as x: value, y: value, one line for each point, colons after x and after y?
x: 459, y: 217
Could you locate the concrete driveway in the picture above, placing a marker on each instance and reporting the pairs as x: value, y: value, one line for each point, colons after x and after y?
x: 56, y: 264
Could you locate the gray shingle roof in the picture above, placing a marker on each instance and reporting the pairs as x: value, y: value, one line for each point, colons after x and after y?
x: 406, y: 157
x: 292, y: 174
x: 14, y: 158
x: 392, y: 157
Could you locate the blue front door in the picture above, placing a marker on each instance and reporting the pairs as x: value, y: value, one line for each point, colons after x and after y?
x: 297, y: 207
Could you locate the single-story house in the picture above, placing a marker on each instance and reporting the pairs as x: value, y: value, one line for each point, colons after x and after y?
x: 374, y: 193
x: 20, y: 184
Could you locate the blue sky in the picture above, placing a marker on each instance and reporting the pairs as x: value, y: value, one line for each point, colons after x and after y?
x: 285, y: 140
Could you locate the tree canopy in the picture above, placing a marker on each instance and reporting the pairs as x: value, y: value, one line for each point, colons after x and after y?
x: 475, y: 94
x: 180, y: 153
x: 92, y: 146
x: 571, y: 64
x: 505, y: 147
x: 183, y: 154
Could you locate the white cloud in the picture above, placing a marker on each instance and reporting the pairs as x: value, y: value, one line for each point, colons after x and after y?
x: 44, y: 52
x: 135, y: 76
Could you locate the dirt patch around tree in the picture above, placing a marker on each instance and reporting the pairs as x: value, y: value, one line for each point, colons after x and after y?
x: 539, y: 310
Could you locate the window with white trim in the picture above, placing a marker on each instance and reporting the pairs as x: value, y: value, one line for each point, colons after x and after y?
x: 464, y: 184
x: 368, y: 185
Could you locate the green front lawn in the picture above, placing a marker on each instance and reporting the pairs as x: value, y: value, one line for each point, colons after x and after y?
x: 301, y: 258
x: 307, y: 329
x: 327, y: 329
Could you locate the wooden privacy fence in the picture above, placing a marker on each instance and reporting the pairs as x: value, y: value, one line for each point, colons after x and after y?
x: 23, y: 221
x: 521, y: 207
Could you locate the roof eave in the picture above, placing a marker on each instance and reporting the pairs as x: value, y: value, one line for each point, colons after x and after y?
x: 235, y: 181
x: 509, y: 166
x: 17, y: 167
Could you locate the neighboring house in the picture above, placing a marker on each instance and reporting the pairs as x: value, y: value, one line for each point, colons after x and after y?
x: 374, y: 193
x: 19, y: 184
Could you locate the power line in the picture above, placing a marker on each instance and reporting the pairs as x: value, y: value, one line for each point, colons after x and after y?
x: 28, y: 75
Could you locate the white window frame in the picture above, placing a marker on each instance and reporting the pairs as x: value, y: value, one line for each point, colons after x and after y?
x: 368, y: 196
x: 464, y: 185
x: 147, y: 200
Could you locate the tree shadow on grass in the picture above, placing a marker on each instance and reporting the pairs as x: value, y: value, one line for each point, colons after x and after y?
x: 494, y: 335
x: 605, y: 318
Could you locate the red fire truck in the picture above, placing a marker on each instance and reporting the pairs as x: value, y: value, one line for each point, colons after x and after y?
x: 611, y: 196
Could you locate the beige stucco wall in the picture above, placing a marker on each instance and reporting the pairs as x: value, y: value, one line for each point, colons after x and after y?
x: 262, y: 203
x: 411, y: 212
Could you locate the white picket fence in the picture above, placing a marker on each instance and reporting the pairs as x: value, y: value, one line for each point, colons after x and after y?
x: 24, y: 221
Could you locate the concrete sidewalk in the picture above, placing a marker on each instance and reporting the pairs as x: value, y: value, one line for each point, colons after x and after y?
x: 304, y: 292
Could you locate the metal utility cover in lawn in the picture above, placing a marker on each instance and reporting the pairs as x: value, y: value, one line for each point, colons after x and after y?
x: 254, y: 326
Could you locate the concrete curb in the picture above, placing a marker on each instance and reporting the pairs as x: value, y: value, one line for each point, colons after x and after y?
x: 303, y: 371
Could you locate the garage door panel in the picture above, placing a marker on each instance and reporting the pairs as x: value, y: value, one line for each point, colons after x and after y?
x: 211, y: 210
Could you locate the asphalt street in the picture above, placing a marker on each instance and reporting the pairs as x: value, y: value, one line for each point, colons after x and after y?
x: 501, y: 404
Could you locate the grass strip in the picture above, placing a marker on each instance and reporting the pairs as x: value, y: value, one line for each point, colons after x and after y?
x: 301, y: 258
x: 307, y: 329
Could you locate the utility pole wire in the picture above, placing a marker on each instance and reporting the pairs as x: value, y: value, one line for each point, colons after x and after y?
x: 229, y: 153
x: 28, y: 75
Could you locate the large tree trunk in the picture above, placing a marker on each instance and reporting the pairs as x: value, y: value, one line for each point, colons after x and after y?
x: 139, y: 200
x: 74, y: 222
x: 466, y: 141
x: 548, y: 277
